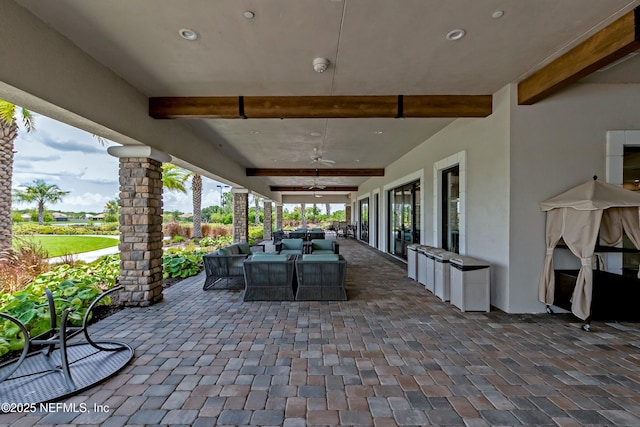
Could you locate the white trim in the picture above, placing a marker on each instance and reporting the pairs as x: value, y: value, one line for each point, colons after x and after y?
x: 359, y: 215
x: 374, y: 231
x: 384, y: 205
x: 239, y: 190
x: 458, y: 159
x: 139, y: 151
x: 616, y: 141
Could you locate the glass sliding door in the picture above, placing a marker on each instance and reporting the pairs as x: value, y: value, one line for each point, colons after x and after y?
x: 364, y: 219
x: 404, y: 218
x: 451, y: 209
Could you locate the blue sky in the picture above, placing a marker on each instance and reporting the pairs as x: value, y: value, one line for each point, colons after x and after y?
x: 76, y: 161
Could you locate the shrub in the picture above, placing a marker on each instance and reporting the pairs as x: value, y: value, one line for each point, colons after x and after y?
x: 20, y: 265
x: 177, y: 239
x: 206, y: 241
x: 256, y: 233
x: 31, y: 228
x: 216, y: 230
x: 182, y: 264
x: 71, y: 288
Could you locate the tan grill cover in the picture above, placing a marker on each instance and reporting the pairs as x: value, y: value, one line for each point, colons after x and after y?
x: 577, y: 216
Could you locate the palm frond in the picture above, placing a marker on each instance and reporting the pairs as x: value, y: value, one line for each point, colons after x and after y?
x: 7, y: 112
x: 28, y: 120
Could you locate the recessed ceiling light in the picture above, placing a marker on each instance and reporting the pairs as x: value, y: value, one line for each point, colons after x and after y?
x: 378, y: 132
x: 315, y: 134
x: 254, y: 132
x: 188, y: 34
x: 248, y: 14
x: 456, y: 34
x: 497, y: 14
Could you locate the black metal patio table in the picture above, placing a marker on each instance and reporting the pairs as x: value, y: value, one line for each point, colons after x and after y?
x: 50, y: 368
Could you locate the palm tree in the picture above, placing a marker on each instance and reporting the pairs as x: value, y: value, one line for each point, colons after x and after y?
x: 40, y: 192
x: 174, y: 178
x: 256, y: 202
x: 196, y: 189
x: 9, y: 115
x: 303, y: 212
x: 112, y: 210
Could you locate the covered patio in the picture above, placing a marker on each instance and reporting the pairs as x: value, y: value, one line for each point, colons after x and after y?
x: 393, y: 354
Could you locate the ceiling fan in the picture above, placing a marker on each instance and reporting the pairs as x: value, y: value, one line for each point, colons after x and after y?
x: 315, y: 186
x: 317, y: 158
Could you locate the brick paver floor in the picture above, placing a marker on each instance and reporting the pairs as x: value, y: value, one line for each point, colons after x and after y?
x: 393, y: 354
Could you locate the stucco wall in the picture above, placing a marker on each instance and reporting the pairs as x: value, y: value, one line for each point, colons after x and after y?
x: 486, y: 142
x: 517, y: 157
x: 555, y: 145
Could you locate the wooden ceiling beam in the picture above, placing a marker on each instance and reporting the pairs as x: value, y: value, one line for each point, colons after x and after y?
x: 315, y: 172
x: 316, y: 107
x: 307, y: 189
x: 604, y: 47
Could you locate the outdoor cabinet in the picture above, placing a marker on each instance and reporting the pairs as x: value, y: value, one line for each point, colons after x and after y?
x: 441, y: 277
x: 431, y: 252
x: 412, y: 261
x: 421, y: 258
x: 470, y: 283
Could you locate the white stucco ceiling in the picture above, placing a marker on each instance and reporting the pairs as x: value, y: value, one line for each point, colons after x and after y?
x: 376, y: 47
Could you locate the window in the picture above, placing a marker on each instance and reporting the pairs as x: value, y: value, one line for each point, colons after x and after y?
x: 451, y: 209
x: 364, y: 219
x: 404, y: 218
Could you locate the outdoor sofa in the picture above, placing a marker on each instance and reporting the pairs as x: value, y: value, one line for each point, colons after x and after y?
x: 227, y: 263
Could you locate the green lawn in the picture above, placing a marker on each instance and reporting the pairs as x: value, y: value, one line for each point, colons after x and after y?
x: 66, y: 245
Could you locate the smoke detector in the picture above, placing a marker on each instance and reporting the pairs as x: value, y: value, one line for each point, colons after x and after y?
x: 320, y: 65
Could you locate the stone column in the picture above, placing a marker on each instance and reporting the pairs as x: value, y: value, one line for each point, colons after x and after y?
x: 279, y: 220
x: 347, y: 213
x: 140, y: 223
x: 240, y: 214
x: 267, y: 220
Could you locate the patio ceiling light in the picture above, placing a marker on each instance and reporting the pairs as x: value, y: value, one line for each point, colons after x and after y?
x: 188, y: 34
x: 456, y: 34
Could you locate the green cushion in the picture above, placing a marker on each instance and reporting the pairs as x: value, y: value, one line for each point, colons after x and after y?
x: 235, y: 249
x: 288, y: 244
x: 259, y: 254
x: 291, y: 251
x: 244, y: 248
x: 316, y: 229
x: 270, y: 258
x: 321, y: 252
x: 224, y: 251
x: 321, y: 257
x: 323, y: 244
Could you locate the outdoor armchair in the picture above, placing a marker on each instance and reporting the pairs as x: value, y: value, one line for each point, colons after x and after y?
x: 324, y: 246
x: 315, y: 233
x: 269, y: 277
x: 290, y: 246
x: 321, y: 277
x: 300, y: 233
